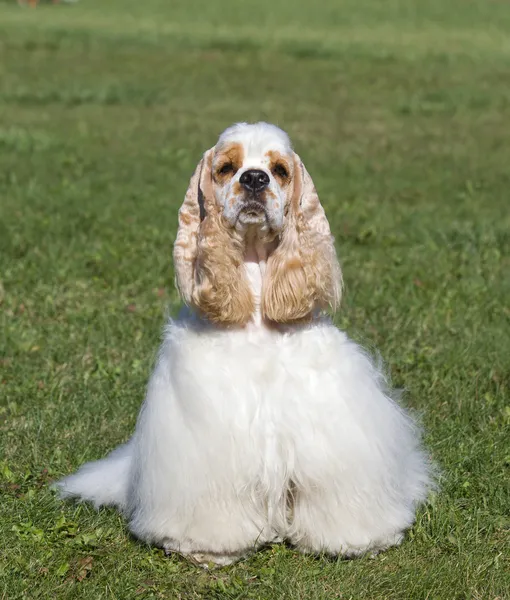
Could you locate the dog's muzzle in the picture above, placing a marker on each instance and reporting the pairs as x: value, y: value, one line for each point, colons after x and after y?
x: 253, y: 212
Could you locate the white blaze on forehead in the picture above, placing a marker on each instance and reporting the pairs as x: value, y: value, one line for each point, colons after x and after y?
x: 257, y: 139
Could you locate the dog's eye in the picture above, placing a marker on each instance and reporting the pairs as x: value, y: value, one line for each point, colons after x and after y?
x: 280, y: 171
x: 226, y: 169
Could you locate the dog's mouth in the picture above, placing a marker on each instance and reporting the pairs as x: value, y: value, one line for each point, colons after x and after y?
x: 252, y: 212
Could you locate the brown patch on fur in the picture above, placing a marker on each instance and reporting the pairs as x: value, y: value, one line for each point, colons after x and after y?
x: 275, y: 158
x: 302, y: 273
x: 185, y: 247
x: 230, y: 154
x: 237, y: 190
x: 186, y: 218
x: 221, y: 290
x: 208, y: 256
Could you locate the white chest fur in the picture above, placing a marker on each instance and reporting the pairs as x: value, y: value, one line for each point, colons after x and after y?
x: 251, y: 436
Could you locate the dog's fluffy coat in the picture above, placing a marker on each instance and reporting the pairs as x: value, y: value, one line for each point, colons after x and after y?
x: 261, y: 430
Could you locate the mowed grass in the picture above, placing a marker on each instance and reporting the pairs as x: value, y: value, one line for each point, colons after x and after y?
x: 401, y: 112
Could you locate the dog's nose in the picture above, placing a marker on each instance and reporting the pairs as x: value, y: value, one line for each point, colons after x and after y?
x: 254, y: 180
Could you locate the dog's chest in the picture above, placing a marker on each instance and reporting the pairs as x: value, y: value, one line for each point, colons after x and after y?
x: 258, y: 399
x: 261, y: 387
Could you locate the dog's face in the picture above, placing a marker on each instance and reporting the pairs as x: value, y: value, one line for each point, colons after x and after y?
x: 252, y: 197
x: 252, y: 175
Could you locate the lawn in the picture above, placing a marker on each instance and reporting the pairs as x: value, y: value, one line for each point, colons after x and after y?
x: 401, y: 112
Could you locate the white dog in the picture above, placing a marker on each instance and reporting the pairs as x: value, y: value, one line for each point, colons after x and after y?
x: 262, y: 421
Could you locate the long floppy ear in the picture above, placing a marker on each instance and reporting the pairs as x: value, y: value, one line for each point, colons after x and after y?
x: 185, y: 247
x: 303, y: 273
x: 208, y: 255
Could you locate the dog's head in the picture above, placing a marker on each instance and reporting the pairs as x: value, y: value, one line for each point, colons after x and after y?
x: 252, y: 172
x: 252, y: 185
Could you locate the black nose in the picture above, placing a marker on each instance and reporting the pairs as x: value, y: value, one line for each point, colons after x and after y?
x: 254, y: 180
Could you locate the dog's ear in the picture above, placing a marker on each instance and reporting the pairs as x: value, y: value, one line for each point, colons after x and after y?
x: 303, y: 273
x: 191, y: 213
x: 209, y: 255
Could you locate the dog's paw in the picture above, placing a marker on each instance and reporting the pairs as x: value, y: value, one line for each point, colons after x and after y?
x: 346, y: 550
x: 213, y: 561
x: 204, y: 560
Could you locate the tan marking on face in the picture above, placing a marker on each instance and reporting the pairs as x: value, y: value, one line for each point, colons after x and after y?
x: 276, y: 161
x: 237, y: 190
x: 268, y: 195
x: 230, y: 155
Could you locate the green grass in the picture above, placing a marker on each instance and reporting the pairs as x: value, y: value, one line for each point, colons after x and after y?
x: 401, y: 111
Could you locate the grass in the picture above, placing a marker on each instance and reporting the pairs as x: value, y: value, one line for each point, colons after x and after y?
x: 400, y: 111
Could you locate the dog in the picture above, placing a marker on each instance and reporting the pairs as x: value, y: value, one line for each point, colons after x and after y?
x: 262, y: 421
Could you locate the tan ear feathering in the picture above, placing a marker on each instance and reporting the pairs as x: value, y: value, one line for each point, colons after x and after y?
x: 303, y: 273
x: 185, y: 246
x: 208, y: 255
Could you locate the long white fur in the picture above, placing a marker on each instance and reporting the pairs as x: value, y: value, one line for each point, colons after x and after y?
x: 254, y: 435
